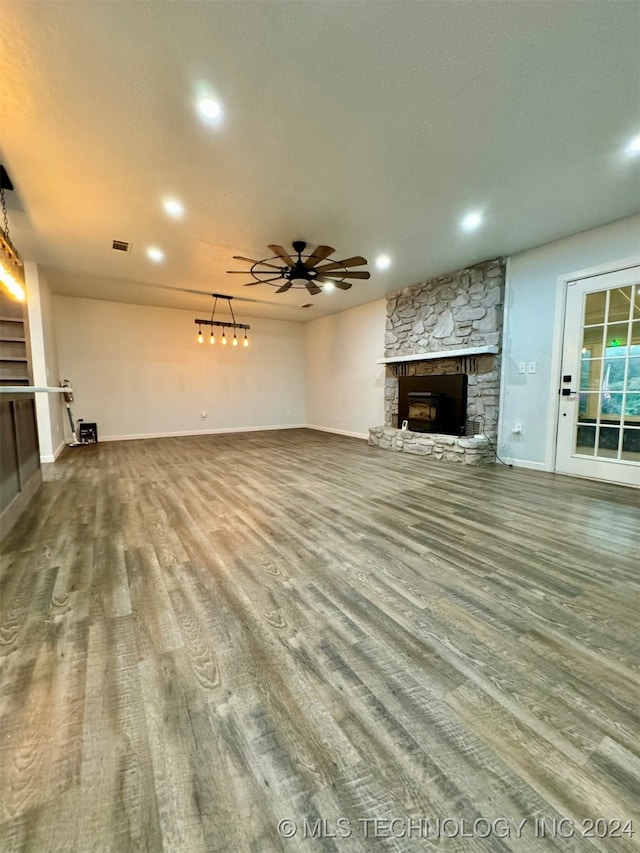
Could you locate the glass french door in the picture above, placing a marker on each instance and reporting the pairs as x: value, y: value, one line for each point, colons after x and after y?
x: 599, y: 412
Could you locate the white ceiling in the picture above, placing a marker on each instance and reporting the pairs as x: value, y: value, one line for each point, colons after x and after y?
x: 372, y: 127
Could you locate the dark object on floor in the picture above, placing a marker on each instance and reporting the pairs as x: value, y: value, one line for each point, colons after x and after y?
x: 87, y: 433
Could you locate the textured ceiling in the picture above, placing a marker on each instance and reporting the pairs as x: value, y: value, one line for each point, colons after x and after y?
x: 372, y: 127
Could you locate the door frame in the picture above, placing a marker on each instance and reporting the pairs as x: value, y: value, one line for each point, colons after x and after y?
x: 558, y: 340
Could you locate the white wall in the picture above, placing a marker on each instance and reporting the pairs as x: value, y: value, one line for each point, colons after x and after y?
x: 138, y: 371
x: 44, y: 359
x: 532, y: 334
x: 345, y: 386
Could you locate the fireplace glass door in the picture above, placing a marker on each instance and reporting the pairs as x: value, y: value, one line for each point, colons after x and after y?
x: 425, y: 411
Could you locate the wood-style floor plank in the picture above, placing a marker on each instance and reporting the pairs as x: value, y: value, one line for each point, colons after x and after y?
x: 202, y: 636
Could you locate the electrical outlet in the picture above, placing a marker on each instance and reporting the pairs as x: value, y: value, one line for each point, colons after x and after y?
x: 522, y: 367
x: 517, y: 429
x: 532, y: 367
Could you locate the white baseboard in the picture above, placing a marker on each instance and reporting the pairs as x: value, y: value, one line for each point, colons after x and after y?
x: 49, y: 458
x: 524, y: 463
x: 339, y: 431
x: 198, y: 432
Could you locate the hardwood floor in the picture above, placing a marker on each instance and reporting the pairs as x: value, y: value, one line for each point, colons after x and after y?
x: 201, y: 637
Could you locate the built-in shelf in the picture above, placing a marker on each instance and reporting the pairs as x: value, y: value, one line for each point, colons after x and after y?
x: 20, y: 459
x: 447, y: 353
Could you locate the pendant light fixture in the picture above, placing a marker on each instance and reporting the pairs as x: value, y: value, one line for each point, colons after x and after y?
x: 11, y: 267
x: 224, y: 325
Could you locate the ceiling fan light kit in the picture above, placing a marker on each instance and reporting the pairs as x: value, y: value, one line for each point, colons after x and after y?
x: 307, y: 271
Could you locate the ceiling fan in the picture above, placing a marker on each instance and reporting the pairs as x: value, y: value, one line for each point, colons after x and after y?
x: 303, y: 272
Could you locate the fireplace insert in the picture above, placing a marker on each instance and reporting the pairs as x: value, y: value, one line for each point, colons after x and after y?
x: 425, y: 410
x: 433, y: 403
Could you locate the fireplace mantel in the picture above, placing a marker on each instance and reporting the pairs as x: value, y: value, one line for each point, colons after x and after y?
x: 447, y: 353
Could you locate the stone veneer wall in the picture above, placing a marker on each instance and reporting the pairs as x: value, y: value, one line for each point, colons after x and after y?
x: 463, y: 309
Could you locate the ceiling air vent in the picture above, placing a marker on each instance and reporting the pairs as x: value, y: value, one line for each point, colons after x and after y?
x: 121, y: 246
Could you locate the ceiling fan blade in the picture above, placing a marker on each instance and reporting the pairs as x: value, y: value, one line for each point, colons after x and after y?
x: 348, y: 262
x: 263, y: 281
x: 343, y: 285
x: 252, y: 261
x: 356, y: 274
x: 249, y: 272
x: 320, y: 253
x: 284, y: 287
x: 282, y: 253
x: 313, y: 288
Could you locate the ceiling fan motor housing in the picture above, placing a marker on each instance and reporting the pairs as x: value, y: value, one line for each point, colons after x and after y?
x: 299, y: 273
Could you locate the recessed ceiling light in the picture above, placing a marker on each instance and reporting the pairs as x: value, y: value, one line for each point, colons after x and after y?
x: 155, y: 254
x: 383, y: 262
x: 471, y: 221
x: 173, y: 208
x: 329, y: 285
x: 209, y: 109
x: 634, y: 146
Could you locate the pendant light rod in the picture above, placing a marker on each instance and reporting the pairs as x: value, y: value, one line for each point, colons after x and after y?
x: 222, y: 324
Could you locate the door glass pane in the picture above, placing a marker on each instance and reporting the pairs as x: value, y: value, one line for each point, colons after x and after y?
x: 632, y: 409
x: 635, y: 337
x: 616, y: 339
x: 592, y: 341
x: 636, y: 303
x: 613, y: 375
x: 588, y: 407
x: 631, y: 445
x: 608, y: 442
x: 633, y: 374
x: 619, y: 304
x: 610, y: 408
x: 585, y: 440
x: 590, y: 371
x: 595, y: 307
x: 614, y: 370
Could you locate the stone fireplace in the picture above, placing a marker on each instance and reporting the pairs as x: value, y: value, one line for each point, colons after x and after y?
x: 443, y: 340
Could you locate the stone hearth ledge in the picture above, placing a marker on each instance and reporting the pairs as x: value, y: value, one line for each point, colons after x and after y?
x: 468, y: 450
